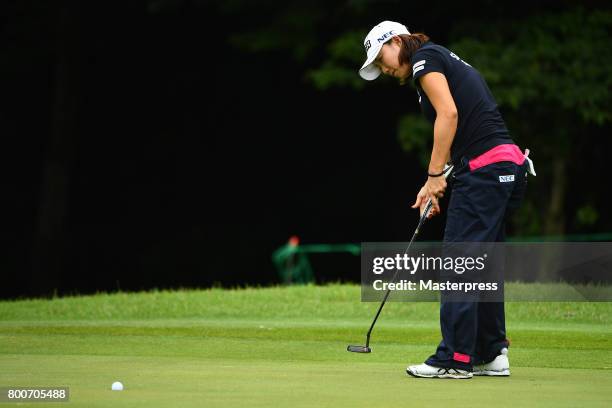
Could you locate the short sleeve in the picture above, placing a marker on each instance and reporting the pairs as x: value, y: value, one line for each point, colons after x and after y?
x: 426, y: 61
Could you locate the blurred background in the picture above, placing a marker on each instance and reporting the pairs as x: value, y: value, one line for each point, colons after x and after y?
x: 179, y: 143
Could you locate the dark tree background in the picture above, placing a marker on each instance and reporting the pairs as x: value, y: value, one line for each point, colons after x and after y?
x: 177, y: 143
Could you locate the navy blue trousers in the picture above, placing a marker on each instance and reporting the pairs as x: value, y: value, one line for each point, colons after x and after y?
x: 474, y: 332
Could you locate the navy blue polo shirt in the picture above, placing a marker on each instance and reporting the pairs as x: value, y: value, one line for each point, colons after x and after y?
x: 480, y: 126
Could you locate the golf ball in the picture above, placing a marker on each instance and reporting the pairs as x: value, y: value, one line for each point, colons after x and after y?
x: 117, y: 386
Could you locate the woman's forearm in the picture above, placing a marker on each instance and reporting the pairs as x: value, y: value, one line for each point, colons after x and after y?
x: 445, y: 128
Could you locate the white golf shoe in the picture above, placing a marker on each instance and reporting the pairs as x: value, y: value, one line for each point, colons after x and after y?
x: 427, y: 371
x: 499, y: 367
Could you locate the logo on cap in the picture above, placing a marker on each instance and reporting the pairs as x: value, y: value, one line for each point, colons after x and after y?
x: 367, y: 45
x: 385, y: 36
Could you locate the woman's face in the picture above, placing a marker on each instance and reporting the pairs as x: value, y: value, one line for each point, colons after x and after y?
x: 388, y: 60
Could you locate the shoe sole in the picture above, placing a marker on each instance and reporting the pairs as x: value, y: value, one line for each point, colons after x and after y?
x: 489, y: 373
x: 451, y: 376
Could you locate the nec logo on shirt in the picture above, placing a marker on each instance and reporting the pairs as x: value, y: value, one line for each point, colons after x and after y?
x: 506, y: 179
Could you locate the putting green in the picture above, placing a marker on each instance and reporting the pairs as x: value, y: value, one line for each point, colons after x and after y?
x: 287, y: 347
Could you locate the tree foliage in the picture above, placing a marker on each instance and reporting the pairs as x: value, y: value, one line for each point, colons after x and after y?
x: 563, y: 61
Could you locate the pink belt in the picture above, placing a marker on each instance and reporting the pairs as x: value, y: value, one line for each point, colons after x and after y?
x: 500, y: 153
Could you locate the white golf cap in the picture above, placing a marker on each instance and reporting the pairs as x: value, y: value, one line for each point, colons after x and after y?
x: 380, y: 34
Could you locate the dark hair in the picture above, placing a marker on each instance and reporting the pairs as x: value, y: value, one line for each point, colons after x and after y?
x: 410, y: 43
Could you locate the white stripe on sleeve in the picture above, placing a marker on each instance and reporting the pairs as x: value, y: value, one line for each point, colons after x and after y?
x: 418, y: 64
x: 417, y: 69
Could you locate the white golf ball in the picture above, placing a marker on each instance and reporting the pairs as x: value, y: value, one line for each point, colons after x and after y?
x: 117, y: 386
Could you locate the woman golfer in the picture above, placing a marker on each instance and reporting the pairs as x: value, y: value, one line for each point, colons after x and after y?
x: 489, y: 179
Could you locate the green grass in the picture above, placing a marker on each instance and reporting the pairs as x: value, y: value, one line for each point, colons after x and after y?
x: 285, y: 346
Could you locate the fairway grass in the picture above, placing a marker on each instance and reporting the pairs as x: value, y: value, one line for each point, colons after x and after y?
x: 286, y: 347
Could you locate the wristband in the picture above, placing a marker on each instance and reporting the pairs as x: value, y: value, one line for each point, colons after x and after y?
x: 448, y: 167
x: 437, y: 174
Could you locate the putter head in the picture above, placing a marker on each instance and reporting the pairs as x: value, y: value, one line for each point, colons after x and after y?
x: 359, y: 349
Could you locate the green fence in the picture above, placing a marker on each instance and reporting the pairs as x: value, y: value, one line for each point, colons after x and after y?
x: 292, y: 263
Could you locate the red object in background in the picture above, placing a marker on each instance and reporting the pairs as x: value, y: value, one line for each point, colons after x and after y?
x: 294, y: 241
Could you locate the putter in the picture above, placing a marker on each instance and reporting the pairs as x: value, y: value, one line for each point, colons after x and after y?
x: 366, y: 348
